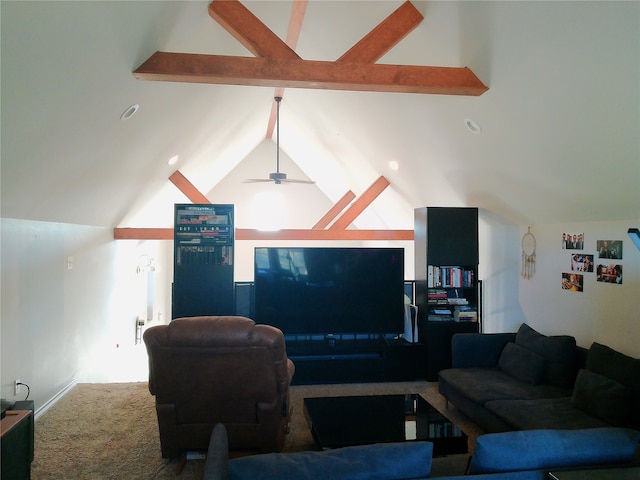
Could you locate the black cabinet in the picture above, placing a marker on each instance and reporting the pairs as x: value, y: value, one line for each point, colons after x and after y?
x: 446, y: 279
x: 335, y: 360
x: 203, y: 260
x: 17, y: 431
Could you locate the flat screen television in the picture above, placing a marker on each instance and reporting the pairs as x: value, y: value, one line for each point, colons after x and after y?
x: 328, y: 291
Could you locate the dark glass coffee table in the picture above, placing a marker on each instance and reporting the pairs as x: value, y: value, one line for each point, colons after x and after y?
x: 360, y: 420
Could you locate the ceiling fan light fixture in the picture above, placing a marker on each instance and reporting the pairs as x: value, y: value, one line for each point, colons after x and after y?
x: 269, y: 211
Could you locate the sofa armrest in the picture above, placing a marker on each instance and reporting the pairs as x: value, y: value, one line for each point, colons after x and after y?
x: 215, y: 467
x: 478, y: 350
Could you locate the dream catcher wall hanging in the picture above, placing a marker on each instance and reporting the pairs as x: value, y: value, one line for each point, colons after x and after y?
x: 528, y: 254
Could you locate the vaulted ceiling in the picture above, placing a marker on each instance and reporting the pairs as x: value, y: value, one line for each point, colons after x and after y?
x: 560, y: 121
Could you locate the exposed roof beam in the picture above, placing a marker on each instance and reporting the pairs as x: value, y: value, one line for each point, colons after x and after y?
x: 278, y: 65
x: 360, y: 204
x: 261, y: 72
x: 186, y: 187
x: 245, y: 27
x: 334, y: 211
x: 385, y: 36
x: 298, y: 9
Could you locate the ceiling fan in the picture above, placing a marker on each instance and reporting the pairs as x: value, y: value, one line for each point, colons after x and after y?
x: 277, y: 177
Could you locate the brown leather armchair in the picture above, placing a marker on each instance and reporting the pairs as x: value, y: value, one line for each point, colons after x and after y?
x: 208, y: 370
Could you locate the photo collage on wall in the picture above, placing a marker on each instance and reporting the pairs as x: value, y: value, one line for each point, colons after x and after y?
x: 604, y: 262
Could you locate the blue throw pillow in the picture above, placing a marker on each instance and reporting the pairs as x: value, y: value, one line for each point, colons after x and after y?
x: 545, y: 449
x: 383, y: 461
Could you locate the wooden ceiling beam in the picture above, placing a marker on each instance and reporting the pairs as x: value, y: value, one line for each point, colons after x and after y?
x: 286, y: 234
x: 262, y: 72
x: 360, y: 204
x: 298, y: 9
x: 186, y: 187
x: 334, y: 211
x: 385, y: 36
x: 124, y: 233
x: 245, y: 27
x: 294, y: 234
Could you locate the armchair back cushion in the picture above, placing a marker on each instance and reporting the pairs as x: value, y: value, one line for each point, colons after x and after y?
x: 225, y: 369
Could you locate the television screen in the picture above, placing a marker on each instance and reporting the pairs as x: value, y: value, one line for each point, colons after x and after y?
x: 320, y: 291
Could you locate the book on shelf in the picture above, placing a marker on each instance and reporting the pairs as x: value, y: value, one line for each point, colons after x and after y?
x: 449, y: 277
x: 467, y: 314
x: 440, y: 315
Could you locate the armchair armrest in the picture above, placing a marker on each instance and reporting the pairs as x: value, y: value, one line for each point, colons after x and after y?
x: 478, y: 350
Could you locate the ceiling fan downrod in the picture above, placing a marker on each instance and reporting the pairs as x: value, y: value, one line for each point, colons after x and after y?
x: 278, y: 100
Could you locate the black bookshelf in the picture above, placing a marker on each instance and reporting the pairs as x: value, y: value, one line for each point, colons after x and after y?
x: 446, y: 279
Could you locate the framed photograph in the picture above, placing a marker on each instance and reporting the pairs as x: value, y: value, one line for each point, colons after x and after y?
x: 573, y: 282
x: 611, y: 273
x: 609, y: 249
x: 573, y: 241
x: 581, y: 262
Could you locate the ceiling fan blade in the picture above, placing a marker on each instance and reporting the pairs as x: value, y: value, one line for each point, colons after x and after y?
x: 292, y: 180
x: 257, y: 180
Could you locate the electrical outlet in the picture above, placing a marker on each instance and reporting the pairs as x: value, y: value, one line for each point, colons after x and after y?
x: 16, y: 387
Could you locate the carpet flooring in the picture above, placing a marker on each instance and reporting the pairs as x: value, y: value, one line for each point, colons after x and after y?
x: 110, y: 431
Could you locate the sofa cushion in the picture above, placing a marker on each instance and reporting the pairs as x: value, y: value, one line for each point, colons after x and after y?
x: 544, y: 449
x: 481, y: 385
x: 559, y: 351
x: 382, y: 461
x: 619, y: 367
x: 554, y: 413
x: 521, y: 363
x: 602, y: 397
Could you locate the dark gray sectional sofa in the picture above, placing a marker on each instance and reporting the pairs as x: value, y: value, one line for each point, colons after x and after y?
x: 527, y: 380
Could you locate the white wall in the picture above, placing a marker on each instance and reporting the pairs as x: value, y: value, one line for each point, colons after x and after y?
x: 605, y: 313
x: 499, y: 242
x: 60, y: 325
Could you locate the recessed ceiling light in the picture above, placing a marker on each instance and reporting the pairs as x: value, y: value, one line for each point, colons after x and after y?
x: 173, y: 160
x: 393, y: 165
x: 472, y: 126
x: 129, y: 112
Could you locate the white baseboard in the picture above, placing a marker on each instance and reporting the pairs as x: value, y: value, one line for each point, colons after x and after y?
x: 53, y: 400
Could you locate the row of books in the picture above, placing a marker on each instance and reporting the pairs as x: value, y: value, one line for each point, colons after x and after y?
x: 449, y: 277
x: 436, y: 296
x: 457, y: 314
x: 444, y: 429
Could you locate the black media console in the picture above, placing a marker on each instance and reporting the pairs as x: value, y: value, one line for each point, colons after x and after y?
x: 355, y: 358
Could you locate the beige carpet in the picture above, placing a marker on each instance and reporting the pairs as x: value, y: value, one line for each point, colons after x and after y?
x: 110, y: 431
